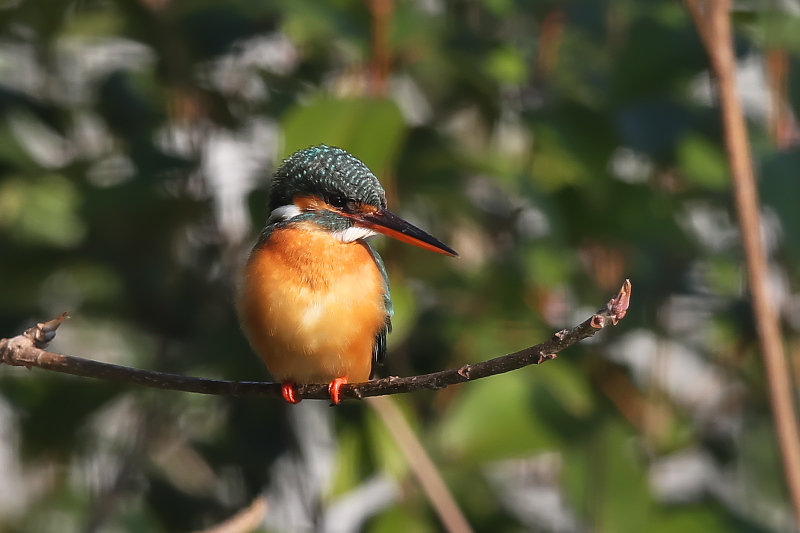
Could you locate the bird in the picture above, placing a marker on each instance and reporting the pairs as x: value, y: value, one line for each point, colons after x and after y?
x: 315, y: 302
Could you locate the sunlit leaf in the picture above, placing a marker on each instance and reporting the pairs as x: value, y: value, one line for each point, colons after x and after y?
x: 493, y: 419
x: 41, y: 211
x: 370, y: 129
x: 703, y: 163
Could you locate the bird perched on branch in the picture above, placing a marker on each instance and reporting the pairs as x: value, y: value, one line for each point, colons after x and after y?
x: 315, y: 302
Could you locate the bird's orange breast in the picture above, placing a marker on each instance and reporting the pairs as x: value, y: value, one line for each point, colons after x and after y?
x: 312, y: 306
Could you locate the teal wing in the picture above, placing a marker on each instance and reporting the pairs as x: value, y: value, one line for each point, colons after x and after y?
x: 379, y: 351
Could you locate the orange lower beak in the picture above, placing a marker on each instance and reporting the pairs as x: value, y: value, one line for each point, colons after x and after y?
x: 386, y: 222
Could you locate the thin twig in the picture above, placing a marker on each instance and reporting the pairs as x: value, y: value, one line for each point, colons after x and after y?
x: 713, y: 20
x: 28, y: 350
x: 421, y: 465
x: 247, y: 520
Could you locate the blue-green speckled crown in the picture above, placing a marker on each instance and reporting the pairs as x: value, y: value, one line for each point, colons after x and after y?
x: 323, y: 171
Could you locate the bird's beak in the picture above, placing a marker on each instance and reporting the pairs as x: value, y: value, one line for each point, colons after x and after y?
x: 386, y: 222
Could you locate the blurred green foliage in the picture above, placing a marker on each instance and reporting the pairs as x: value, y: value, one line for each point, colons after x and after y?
x: 559, y: 146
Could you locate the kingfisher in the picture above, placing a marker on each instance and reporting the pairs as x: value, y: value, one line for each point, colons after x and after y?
x: 315, y: 301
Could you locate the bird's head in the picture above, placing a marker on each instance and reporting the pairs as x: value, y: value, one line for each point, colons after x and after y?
x: 332, y: 188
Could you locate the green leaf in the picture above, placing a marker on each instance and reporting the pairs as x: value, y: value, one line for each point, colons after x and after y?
x: 549, y: 265
x: 703, y: 163
x: 554, y: 166
x: 348, y: 461
x: 606, y: 476
x: 372, y: 130
x: 41, y: 210
x: 700, y: 518
x: 568, y: 386
x: 493, y: 419
x: 402, y: 520
x: 507, y: 65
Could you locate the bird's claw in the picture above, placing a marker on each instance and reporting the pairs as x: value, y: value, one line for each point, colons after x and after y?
x: 334, y: 390
x: 289, y: 391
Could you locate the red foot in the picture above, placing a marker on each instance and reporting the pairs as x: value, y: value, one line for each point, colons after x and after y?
x: 289, y: 392
x: 333, y: 389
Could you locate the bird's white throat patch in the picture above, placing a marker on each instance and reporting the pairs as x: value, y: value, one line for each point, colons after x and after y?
x: 355, y: 233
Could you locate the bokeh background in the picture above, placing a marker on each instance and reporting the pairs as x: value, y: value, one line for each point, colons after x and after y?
x: 559, y: 146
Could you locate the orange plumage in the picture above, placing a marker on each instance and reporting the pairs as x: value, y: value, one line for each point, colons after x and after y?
x: 312, y: 305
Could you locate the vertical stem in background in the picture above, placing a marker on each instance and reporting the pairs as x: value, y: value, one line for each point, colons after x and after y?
x: 550, y: 37
x: 781, y: 122
x: 712, y: 18
x: 380, y: 70
x: 380, y: 67
x: 421, y: 464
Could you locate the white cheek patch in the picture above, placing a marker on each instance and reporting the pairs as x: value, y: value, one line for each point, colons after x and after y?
x: 284, y: 212
x: 353, y: 234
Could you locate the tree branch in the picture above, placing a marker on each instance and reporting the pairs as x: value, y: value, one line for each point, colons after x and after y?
x: 28, y: 350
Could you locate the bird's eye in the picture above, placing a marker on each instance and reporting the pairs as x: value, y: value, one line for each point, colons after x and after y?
x: 338, y: 201
x: 347, y: 205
